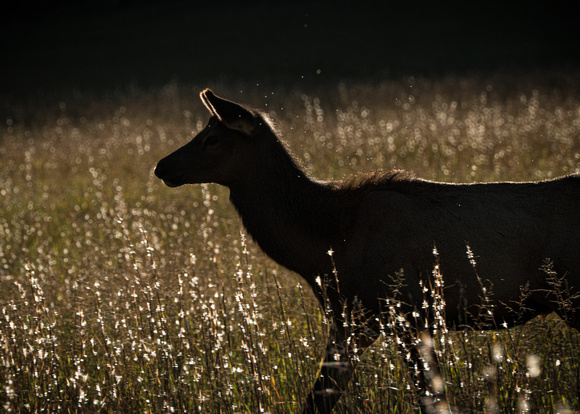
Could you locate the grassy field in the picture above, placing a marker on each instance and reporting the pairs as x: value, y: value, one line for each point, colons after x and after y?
x: 120, y: 294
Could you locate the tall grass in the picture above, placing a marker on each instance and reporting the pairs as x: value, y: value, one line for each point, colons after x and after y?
x: 119, y: 294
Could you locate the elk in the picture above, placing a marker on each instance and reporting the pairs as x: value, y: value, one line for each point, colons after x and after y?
x: 386, y: 224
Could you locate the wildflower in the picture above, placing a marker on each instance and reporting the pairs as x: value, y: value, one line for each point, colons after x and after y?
x: 533, y: 365
x: 497, y: 352
x: 470, y: 256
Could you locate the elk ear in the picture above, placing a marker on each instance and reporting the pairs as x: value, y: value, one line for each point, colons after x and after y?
x: 234, y: 116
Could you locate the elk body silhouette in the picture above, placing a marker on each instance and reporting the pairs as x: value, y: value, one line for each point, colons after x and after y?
x: 384, y: 225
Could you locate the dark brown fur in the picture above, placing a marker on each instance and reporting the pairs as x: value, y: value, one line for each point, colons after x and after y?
x: 384, y: 224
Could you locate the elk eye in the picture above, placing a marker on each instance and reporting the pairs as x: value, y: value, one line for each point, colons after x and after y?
x: 211, y: 141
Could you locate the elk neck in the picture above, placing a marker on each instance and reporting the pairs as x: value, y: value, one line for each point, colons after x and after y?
x: 293, y: 218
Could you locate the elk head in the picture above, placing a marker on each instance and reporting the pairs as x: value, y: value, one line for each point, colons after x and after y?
x: 218, y: 154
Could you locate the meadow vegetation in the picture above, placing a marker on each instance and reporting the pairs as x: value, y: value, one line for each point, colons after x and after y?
x: 120, y: 294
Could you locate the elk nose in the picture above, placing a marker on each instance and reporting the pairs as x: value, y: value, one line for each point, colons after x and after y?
x: 158, y: 170
x: 161, y: 169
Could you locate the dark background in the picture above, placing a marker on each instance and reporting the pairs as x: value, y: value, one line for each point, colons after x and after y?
x: 50, y: 47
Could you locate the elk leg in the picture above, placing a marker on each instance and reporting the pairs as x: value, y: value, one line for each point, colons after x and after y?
x: 334, y: 375
x: 336, y: 370
x: 424, y: 370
